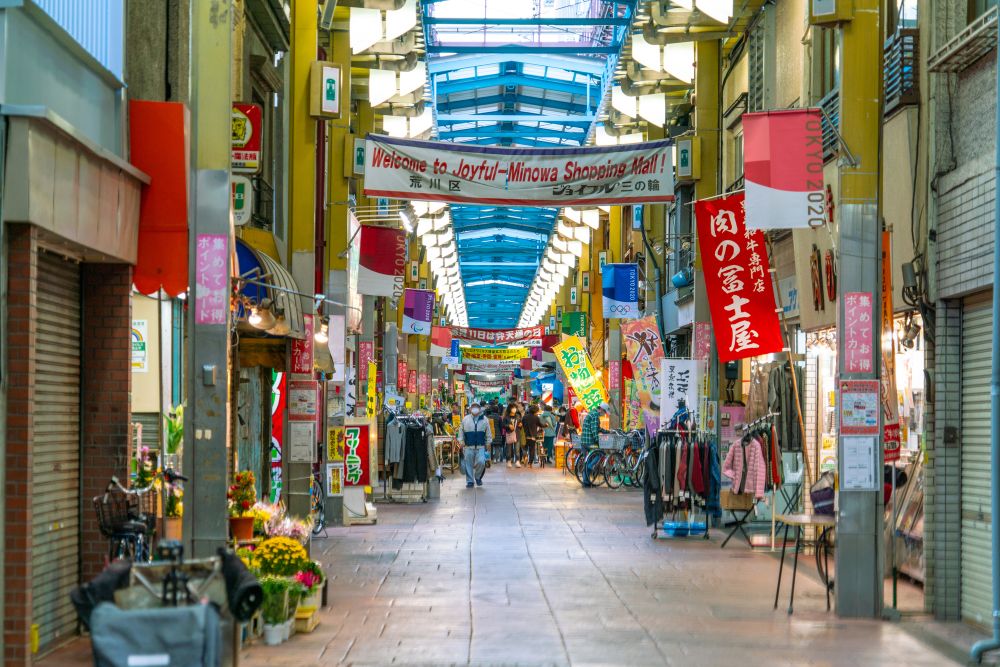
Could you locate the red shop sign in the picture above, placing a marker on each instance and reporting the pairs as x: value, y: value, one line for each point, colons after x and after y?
x: 357, y: 462
x: 737, y: 280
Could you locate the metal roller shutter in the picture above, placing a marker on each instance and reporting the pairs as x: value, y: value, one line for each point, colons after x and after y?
x: 56, y: 466
x: 151, y: 424
x: 977, y: 328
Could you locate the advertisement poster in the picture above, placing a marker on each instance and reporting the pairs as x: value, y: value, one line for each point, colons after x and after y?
x: 737, y: 281
x: 575, y: 362
x: 335, y: 479
x: 302, y: 401
x: 371, y: 398
x: 301, y: 441
x: 614, y: 375
x: 211, y: 293
x: 366, y: 354
x: 357, y: 462
x: 247, y: 132
x: 452, y: 172
x: 335, y: 444
x: 858, y: 332
x: 470, y: 354
x: 140, y: 343
x: 859, y: 407
x: 302, y: 350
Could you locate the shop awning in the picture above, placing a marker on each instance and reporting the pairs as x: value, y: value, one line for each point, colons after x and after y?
x: 159, y: 143
x: 264, y: 278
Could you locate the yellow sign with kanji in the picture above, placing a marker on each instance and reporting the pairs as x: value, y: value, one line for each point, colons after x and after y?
x: 372, y: 404
x: 576, y: 364
x: 335, y: 444
x: 494, y: 353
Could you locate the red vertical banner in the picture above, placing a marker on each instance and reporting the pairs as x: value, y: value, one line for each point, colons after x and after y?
x: 737, y: 280
x: 858, y: 332
x: 366, y: 353
x: 401, y: 375
x: 614, y: 375
x: 411, y: 386
x: 279, y: 403
x: 357, y: 462
x: 302, y: 350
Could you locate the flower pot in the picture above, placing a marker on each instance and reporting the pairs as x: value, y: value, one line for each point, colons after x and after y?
x: 241, y: 528
x: 172, y: 528
x: 274, y: 634
x: 286, y: 629
x: 309, y: 604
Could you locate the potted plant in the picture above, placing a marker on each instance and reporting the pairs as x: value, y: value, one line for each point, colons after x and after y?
x: 173, y: 423
x: 295, y: 593
x: 175, y: 513
x: 311, y: 577
x: 274, y: 608
x: 280, y: 556
x: 242, y: 496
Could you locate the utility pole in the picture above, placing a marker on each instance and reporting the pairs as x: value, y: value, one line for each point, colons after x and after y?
x: 206, y: 429
x: 859, y: 450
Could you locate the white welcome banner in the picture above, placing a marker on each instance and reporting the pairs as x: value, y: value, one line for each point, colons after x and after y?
x: 461, y: 173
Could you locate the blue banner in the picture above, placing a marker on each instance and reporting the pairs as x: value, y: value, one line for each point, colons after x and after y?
x: 620, y: 289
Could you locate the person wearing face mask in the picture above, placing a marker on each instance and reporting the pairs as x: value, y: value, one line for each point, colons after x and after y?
x: 511, y: 429
x: 474, y: 434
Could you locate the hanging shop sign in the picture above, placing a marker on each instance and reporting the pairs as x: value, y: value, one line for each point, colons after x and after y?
x: 335, y: 444
x: 456, y: 173
x: 783, y: 169
x: 382, y: 262
x: 241, y: 192
x: 575, y: 324
x: 440, y: 341
x: 324, y: 90
x: 679, y: 382
x: 614, y: 375
x: 411, y: 384
x: 423, y: 384
x: 702, y: 340
x: 302, y: 350
x: 247, y: 130
x: 620, y: 291
x: 357, y: 462
x: 140, y: 345
x: 211, y: 294
x: 401, y: 375
x: 418, y: 311
x: 737, y: 280
x: 891, y: 440
x: 492, y: 364
x: 471, y: 354
x: 644, y: 350
x: 576, y: 364
x: 527, y: 337
x: 366, y: 354
x: 858, y: 332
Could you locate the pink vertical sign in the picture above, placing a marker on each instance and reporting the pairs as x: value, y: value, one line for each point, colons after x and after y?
x: 702, y: 340
x: 302, y: 350
x: 366, y: 353
x: 614, y: 375
x: 211, y: 291
x: 858, y: 332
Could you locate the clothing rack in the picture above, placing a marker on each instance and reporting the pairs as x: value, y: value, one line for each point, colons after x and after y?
x: 764, y: 420
x: 411, y: 492
x: 687, y: 437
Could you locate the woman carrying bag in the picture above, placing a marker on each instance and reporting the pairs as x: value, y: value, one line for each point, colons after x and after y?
x: 511, y: 426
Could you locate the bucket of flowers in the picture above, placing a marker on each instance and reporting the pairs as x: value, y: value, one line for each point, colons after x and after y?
x: 242, y: 495
x: 311, y: 578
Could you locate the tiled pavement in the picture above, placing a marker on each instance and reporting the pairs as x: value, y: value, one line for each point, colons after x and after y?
x: 531, y: 569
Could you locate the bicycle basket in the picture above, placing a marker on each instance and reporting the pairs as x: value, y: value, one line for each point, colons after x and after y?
x: 114, y: 510
x: 612, y: 441
x: 144, y: 506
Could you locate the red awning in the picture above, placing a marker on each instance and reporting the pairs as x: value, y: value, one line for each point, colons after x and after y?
x: 159, y: 140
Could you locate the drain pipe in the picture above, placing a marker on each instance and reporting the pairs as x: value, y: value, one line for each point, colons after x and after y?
x: 994, y: 642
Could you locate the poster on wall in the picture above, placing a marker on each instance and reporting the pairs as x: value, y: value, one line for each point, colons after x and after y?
x: 357, y: 462
x: 456, y: 173
x: 737, y: 281
x: 335, y: 479
x: 335, y: 444
x: 858, y: 313
x: 620, y: 291
x: 301, y: 441
x: 140, y: 345
x: 302, y: 401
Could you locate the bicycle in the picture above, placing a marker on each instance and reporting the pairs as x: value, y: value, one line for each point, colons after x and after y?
x: 317, y: 502
x: 127, y: 517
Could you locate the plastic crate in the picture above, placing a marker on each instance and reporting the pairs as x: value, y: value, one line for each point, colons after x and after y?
x: 683, y: 528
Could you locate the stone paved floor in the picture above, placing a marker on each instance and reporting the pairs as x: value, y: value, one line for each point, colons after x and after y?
x: 533, y: 570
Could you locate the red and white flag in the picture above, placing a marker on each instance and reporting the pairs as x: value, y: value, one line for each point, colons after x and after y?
x: 440, y: 342
x: 382, y: 261
x: 737, y: 281
x: 783, y: 169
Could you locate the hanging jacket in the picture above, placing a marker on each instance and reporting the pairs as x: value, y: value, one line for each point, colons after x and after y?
x: 652, y: 491
x: 745, y: 465
x: 775, y: 458
x: 713, y: 505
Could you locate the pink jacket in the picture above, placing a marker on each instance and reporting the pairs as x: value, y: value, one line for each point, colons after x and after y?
x: 745, y: 465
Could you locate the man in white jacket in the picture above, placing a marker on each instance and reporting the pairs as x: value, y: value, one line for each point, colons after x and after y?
x: 475, y: 433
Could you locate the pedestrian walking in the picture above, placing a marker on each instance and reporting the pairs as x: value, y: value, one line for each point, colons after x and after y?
x: 511, y: 426
x: 533, y: 432
x: 474, y: 434
x: 550, y: 424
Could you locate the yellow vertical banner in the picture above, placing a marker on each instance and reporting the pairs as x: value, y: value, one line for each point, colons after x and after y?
x: 371, y: 406
x: 576, y: 364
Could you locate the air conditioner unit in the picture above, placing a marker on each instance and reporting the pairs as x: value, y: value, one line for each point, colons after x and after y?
x: 830, y: 12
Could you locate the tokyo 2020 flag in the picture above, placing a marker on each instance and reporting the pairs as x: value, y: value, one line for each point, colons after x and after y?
x: 382, y: 261
x: 620, y: 291
x: 783, y: 169
x: 418, y: 311
x: 440, y: 341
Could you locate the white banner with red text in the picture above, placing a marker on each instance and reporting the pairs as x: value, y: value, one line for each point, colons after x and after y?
x: 460, y: 173
x: 526, y: 337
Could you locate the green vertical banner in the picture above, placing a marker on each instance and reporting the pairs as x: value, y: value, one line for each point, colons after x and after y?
x: 575, y: 324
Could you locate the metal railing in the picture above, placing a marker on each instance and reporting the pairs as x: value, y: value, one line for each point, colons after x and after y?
x: 830, y: 104
x: 900, y: 69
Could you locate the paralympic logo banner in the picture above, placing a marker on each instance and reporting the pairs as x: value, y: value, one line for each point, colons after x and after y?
x: 382, y: 261
x: 737, y: 280
x: 783, y: 167
x: 620, y: 289
x: 418, y: 311
x: 527, y: 336
x: 576, y: 364
x: 464, y: 174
